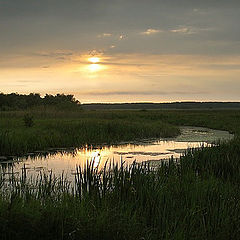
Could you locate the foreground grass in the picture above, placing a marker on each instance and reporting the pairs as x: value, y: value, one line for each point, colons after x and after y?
x: 194, y: 199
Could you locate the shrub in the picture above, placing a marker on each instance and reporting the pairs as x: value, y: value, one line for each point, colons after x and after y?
x: 28, y: 120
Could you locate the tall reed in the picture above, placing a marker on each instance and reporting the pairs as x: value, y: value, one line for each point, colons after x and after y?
x: 121, y: 202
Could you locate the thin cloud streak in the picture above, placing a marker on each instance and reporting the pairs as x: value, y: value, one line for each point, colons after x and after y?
x: 103, y: 35
x: 151, y: 31
x: 106, y: 93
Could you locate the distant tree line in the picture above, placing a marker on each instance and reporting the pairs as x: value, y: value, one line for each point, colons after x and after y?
x: 15, y: 101
x: 157, y: 106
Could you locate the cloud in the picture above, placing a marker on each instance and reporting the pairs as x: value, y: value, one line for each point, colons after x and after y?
x: 59, y: 54
x: 151, y: 31
x: 31, y: 26
x: 223, y: 66
x: 94, y: 52
x: 121, y: 37
x: 191, y: 29
x: 125, y: 64
x: 103, y: 35
x: 183, y: 30
x: 113, y: 92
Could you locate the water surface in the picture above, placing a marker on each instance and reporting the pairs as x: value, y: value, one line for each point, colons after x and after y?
x: 152, y: 150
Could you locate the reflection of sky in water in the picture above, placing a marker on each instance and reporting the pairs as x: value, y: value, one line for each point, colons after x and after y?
x: 144, y: 151
x: 67, y: 162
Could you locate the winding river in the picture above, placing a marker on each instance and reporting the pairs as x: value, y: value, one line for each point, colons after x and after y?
x: 151, y: 150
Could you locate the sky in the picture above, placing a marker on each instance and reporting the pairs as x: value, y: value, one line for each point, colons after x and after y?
x: 122, y: 50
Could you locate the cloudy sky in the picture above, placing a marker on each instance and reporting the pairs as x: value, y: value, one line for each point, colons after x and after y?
x: 122, y: 50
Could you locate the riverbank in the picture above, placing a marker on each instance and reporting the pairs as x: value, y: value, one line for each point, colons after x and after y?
x: 54, y: 129
x: 53, y: 132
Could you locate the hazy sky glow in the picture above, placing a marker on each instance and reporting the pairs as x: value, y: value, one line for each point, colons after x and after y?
x: 122, y: 50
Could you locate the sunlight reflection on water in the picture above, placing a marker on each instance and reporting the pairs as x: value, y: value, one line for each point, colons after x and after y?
x: 66, y: 160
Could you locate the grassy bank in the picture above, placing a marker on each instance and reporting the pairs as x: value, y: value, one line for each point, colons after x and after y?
x: 50, y: 132
x: 53, y: 128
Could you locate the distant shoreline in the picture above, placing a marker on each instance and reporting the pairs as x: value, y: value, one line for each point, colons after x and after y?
x: 159, y: 106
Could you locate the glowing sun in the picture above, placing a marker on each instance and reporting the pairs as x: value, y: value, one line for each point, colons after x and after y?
x: 94, y: 59
x: 94, y: 67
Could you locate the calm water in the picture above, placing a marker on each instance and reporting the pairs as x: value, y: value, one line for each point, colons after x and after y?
x: 145, y: 150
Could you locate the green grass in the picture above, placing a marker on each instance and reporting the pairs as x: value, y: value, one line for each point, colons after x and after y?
x: 197, y: 198
x: 17, y: 139
x: 130, y: 202
x: 76, y: 128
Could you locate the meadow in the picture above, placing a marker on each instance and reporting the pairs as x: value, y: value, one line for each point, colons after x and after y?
x: 54, y: 128
x: 196, y: 198
x: 74, y: 129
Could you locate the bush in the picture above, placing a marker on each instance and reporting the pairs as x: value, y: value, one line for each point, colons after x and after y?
x: 28, y: 120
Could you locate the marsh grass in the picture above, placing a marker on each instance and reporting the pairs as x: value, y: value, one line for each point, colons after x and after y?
x: 17, y: 139
x: 176, y: 201
x: 195, y: 198
x: 28, y: 120
x: 54, y: 129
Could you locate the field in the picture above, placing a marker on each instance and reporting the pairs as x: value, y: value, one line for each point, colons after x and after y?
x: 197, y: 198
x: 69, y: 129
x: 76, y: 128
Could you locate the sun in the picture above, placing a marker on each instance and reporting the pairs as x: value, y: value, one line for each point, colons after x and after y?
x: 94, y: 67
x: 95, y: 64
x: 94, y: 59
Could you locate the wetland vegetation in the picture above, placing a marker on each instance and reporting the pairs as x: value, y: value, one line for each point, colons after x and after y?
x: 197, y: 198
x: 66, y: 130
